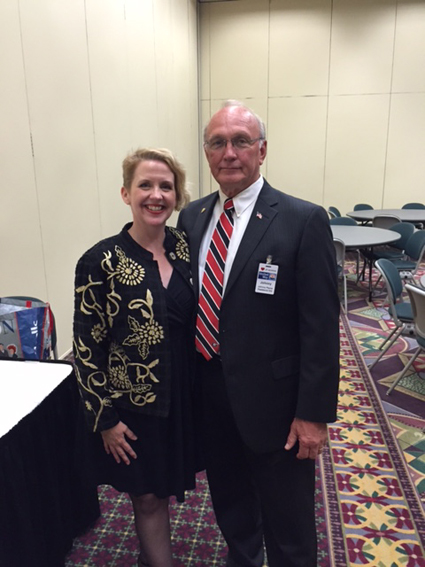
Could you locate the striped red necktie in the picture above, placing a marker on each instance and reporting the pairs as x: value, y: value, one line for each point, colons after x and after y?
x: 207, y: 322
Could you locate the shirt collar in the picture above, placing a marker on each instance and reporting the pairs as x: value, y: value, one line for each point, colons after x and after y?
x: 245, y: 198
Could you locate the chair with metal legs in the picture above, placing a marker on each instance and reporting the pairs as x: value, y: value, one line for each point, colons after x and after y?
x: 363, y: 207
x: 385, y: 221
x: 399, y: 310
x: 417, y: 300
x: 333, y: 212
x: 347, y: 221
x: 394, y: 251
x: 415, y: 206
x: 340, y: 261
x: 415, y: 252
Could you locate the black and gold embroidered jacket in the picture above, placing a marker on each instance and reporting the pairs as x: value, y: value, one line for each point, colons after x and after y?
x: 121, y: 350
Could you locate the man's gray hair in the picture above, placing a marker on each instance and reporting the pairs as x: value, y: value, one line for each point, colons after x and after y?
x: 232, y: 102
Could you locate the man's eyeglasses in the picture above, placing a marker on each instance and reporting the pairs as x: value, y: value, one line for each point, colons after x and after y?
x: 238, y: 143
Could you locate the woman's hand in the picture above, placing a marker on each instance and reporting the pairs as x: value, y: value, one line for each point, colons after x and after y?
x: 115, y: 442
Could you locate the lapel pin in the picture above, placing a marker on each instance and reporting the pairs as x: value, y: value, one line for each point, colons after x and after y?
x: 203, y: 210
x: 259, y: 215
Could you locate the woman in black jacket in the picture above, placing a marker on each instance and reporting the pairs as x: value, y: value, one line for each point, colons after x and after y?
x: 134, y: 353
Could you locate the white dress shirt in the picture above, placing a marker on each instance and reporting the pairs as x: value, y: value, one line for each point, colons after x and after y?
x: 244, y: 204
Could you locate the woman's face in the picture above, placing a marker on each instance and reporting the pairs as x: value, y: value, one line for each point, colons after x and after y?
x: 152, y: 195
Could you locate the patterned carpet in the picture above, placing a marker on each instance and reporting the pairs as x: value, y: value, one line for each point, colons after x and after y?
x: 370, y: 496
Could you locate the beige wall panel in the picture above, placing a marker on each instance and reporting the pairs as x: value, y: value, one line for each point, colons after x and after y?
x: 299, y: 47
x: 111, y: 82
x: 204, y: 50
x: 176, y: 71
x: 239, y: 49
x: 168, y: 24
x: 183, y: 99
x: 55, y: 52
x: 296, y: 146
x: 206, y: 179
x: 21, y: 251
x: 409, y: 54
x: 141, y: 86
x: 362, y: 46
x: 355, y: 154
x: 191, y: 155
x: 405, y: 173
x: 177, y: 76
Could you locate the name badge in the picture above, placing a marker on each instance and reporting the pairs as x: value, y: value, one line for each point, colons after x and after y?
x: 266, y: 278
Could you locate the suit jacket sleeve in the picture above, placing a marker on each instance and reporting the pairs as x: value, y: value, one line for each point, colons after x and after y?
x: 318, y: 308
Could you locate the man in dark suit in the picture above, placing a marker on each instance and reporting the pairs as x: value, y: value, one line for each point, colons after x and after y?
x: 270, y: 383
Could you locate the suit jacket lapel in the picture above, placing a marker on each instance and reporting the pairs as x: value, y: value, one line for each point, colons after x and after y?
x: 200, y: 226
x: 262, y: 215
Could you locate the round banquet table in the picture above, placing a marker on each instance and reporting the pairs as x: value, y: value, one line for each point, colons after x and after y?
x: 363, y: 236
x: 405, y: 215
x: 355, y: 237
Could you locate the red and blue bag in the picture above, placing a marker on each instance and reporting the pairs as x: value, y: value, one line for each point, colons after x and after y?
x: 25, y: 329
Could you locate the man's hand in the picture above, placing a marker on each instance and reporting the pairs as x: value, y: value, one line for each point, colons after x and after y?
x: 311, y: 436
x: 115, y: 442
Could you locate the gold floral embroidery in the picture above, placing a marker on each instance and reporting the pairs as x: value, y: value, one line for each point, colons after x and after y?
x: 182, y: 247
x: 119, y: 384
x: 141, y: 392
x: 150, y: 333
x: 89, y: 306
x: 182, y: 250
x: 153, y: 332
x: 127, y: 271
x: 144, y: 335
x: 98, y: 332
x: 103, y: 387
x: 118, y: 378
x: 96, y: 379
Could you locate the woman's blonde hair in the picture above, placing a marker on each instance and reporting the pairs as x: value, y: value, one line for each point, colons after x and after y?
x: 165, y: 156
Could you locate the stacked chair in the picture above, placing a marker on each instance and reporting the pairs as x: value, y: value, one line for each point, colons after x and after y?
x: 340, y: 261
x: 399, y: 310
x: 417, y: 301
x: 333, y: 212
x: 343, y: 220
x: 363, y: 207
x: 414, y: 206
x: 395, y: 251
x: 385, y: 221
x: 414, y: 254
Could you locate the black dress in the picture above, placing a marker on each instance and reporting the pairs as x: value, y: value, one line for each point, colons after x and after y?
x: 165, y: 447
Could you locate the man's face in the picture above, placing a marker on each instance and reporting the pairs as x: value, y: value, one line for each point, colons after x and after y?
x: 234, y: 169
